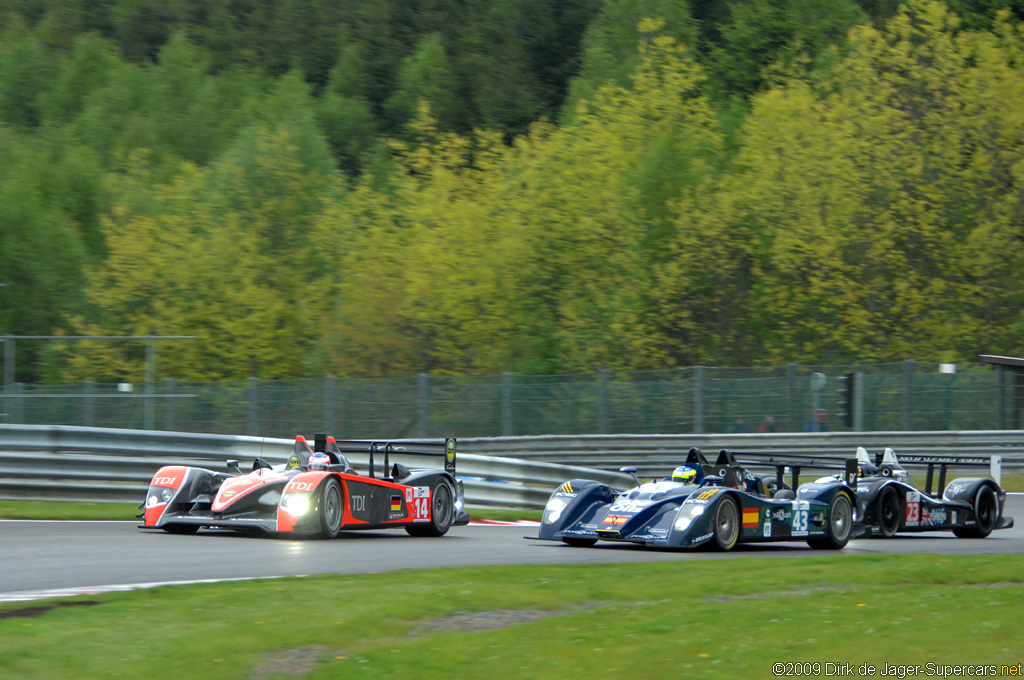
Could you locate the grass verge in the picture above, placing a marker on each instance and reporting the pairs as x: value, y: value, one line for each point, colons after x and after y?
x: 706, y: 618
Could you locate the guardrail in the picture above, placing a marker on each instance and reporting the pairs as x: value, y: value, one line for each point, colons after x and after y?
x: 42, y: 462
x: 654, y: 455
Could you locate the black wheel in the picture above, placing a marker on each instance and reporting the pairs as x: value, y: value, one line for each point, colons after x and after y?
x: 888, y: 508
x: 442, y: 512
x: 181, y: 528
x: 331, y: 508
x: 727, y: 524
x: 840, y: 523
x: 579, y: 542
x: 986, y: 515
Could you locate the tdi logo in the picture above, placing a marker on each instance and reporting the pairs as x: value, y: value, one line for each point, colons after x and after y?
x: 300, y: 486
x: 164, y: 481
x: 358, y: 503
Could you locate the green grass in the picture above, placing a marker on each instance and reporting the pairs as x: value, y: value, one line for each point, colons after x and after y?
x: 705, y: 618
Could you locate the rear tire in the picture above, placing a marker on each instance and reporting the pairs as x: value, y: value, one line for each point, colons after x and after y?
x: 331, y: 509
x: 986, y: 515
x: 727, y: 524
x: 442, y: 512
x: 888, y: 508
x: 840, y: 524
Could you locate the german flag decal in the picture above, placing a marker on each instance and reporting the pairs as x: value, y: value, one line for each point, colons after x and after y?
x: 750, y: 518
x: 396, y: 504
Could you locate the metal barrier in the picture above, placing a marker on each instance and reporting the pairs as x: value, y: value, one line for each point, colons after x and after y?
x: 47, y: 462
x: 43, y: 462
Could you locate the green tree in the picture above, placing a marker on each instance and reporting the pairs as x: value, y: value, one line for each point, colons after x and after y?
x: 609, y: 49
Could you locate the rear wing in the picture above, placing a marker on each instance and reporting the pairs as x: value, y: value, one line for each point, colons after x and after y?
x: 944, y: 462
x: 794, y: 462
x: 439, y: 448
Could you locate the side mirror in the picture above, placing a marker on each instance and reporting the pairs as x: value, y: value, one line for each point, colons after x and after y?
x: 234, y: 464
x: 631, y: 471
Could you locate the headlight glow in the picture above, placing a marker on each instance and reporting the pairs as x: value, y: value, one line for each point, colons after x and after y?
x: 553, y: 510
x: 683, y: 523
x: 297, y: 504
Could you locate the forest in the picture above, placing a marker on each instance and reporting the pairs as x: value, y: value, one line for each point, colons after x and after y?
x: 379, y: 188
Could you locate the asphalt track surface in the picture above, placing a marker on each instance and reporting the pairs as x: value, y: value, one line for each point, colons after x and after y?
x: 41, y: 559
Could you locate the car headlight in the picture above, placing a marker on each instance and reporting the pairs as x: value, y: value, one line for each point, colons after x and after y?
x: 553, y: 510
x: 297, y: 504
x: 686, y: 515
x: 166, y: 494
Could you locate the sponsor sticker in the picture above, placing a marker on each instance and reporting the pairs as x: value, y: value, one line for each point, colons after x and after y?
x: 913, y: 509
x: 629, y: 506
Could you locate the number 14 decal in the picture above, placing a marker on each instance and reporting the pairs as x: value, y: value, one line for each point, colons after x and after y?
x: 421, y: 508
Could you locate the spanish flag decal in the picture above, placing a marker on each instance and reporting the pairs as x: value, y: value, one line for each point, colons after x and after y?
x: 750, y: 518
x: 396, y: 504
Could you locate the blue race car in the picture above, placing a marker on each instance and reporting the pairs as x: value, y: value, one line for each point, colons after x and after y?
x: 720, y: 505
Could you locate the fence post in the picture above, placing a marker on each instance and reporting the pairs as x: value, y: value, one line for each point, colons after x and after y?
x: 908, y: 395
x: 329, y: 405
x: 793, y: 419
x: 602, y: 403
x: 18, y: 407
x: 506, y: 404
x: 1000, y: 398
x: 90, y: 403
x: 698, y: 400
x: 254, y: 407
x: 424, y: 410
x: 858, y: 401
x: 149, y: 408
x: 170, y: 403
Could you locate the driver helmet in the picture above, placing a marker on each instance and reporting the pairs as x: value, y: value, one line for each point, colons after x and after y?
x: 319, y: 461
x: 866, y: 470
x: 684, y: 474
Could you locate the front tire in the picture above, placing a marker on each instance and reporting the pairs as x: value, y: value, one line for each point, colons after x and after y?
x: 442, y: 512
x: 186, y: 529
x: 888, y: 508
x: 579, y: 542
x: 840, y: 524
x: 727, y: 524
x: 986, y: 515
x: 331, y: 509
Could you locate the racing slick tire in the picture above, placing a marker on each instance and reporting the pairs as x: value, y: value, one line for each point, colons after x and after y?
x: 180, y: 528
x: 888, y: 509
x: 330, y: 509
x: 578, y: 542
x: 840, y: 524
x: 442, y: 512
x: 986, y: 515
x: 726, y: 524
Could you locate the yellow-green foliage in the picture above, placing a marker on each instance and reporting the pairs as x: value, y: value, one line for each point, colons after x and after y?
x: 871, y: 211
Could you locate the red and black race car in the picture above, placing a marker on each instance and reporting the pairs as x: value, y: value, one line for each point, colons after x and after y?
x: 315, y: 493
